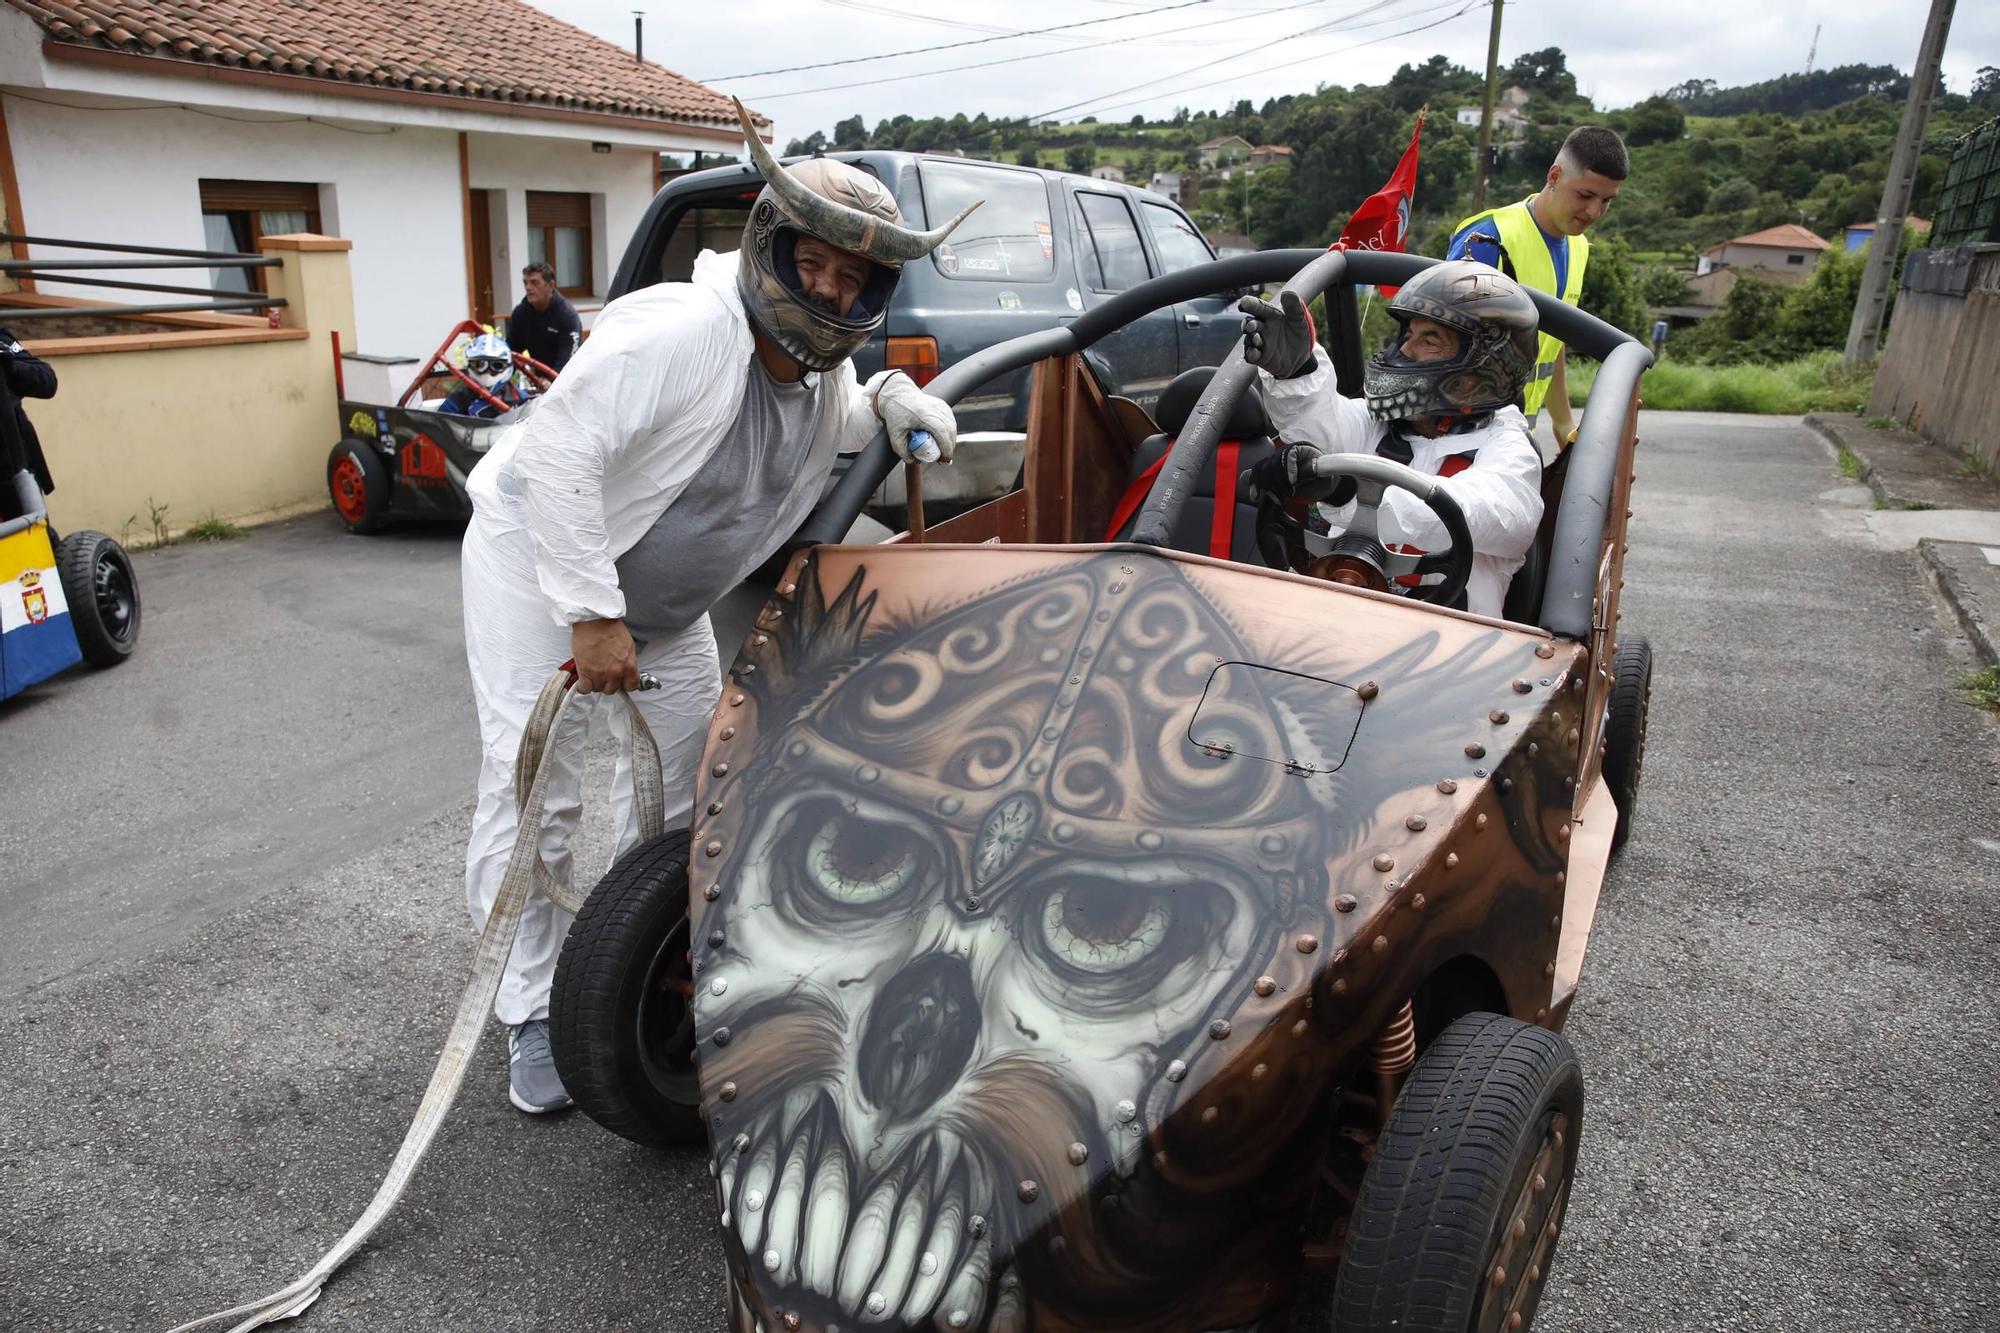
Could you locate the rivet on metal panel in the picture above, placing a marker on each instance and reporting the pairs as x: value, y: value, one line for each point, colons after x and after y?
x: 715, y: 939
x: 1384, y: 861
x: 712, y: 892
x: 728, y: 1092
x: 1344, y: 903
x: 1522, y: 687
x: 1219, y: 1029
x: 1258, y: 1070
x: 1266, y: 985
x: 1299, y: 1028
x: 715, y: 807
x: 1447, y: 786
x: 1381, y: 943
x: 713, y: 849
x: 1417, y: 903
x: 1546, y: 650
x: 1536, y: 1186
x: 735, y: 701
x: 1562, y: 834
x: 1533, y: 749
x: 1416, y: 823
x: 1078, y: 1154
x: 1340, y: 985
x: 1573, y: 737
x: 1505, y: 784
x: 720, y: 770
x: 1540, y: 1014
x: 1028, y: 1191
x: 1367, y: 690
x: 1555, y: 923
x: 786, y: 589
x: 1209, y: 1115
x: 1475, y: 751
x: 1498, y: 717
x: 1176, y: 1071
x: 721, y: 1037
x: 759, y: 640
x: 1560, y: 876
x: 1307, y: 944
x: 1450, y: 860
x: 1548, y: 969
x: 1479, y: 821
x: 1498, y: 1277
x: 728, y: 733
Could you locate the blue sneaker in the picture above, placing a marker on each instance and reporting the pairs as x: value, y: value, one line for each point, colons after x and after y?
x: 532, y: 1082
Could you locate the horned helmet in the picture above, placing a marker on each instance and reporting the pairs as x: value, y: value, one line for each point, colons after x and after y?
x: 848, y: 209
x: 1495, y: 320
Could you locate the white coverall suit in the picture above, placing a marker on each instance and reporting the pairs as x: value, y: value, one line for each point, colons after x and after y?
x: 1500, y: 491
x: 639, y: 410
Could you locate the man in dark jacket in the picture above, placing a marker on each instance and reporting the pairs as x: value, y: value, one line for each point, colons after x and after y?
x: 544, y: 325
x: 24, y: 375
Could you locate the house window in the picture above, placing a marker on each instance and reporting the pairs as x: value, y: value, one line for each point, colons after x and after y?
x: 1795, y: 259
x: 236, y: 215
x: 559, y: 235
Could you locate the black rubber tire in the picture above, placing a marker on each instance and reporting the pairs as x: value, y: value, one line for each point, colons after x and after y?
x: 374, y: 493
x: 1447, y: 1171
x: 1625, y: 728
x: 622, y: 1031
x: 103, y: 596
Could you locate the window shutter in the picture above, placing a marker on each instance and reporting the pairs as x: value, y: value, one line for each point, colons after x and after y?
x: 547, y: 208
x: 257, y: 196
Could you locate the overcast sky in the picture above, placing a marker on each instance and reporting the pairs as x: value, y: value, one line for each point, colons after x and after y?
x: 1146, y: 57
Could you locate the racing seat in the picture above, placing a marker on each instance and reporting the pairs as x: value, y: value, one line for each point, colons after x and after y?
x: 1227, y: 530
x: 1524, y: 590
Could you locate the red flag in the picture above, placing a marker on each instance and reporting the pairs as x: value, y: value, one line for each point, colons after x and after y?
x: 1383, y: 220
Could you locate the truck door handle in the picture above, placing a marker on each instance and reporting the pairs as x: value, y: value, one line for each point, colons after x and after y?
x: 1192, y: 321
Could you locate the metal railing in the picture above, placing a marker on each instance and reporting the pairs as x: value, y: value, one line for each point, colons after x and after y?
x: 220, y: 299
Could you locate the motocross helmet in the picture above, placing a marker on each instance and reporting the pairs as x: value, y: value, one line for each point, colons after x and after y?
x: 843, y: 206
x: 1496, y: 323
x: 489, y: 361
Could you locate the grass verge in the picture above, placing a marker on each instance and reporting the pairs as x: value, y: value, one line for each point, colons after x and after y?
x: 1850, y: 464
x: 1982, y: 688
x: 1821, y: 382
x: 213, y: 529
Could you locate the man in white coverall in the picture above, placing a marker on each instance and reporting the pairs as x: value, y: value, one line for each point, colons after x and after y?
x: 1441, y: 398
x: 684, y: 442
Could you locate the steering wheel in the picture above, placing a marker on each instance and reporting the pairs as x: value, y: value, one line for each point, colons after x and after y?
x: 1360, y: 559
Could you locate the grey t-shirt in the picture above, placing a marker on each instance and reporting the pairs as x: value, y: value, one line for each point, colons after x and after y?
x: 728, y: 520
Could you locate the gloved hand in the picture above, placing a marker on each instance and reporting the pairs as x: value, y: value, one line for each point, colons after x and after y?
x: 904, y: 408
x: 1278, y: 340
x: 1289, y: 472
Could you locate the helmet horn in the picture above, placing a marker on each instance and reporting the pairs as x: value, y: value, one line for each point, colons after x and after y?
x: 835, y: 223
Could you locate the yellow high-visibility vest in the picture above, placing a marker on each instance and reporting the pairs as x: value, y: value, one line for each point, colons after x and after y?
x: 1534, y: 267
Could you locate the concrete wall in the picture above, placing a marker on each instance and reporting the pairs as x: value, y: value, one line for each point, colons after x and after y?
x: 228, y: 419
x: 1766, y: 259
x: 1941, y: 367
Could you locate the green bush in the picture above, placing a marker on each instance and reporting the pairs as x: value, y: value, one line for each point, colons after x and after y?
x: 1820, y: 382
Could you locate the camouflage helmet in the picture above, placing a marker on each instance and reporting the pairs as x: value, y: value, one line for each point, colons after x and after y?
x: 1496, y: 322
x: 848, y: 209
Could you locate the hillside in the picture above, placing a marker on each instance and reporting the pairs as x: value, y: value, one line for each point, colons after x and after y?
x: 1708, y: 162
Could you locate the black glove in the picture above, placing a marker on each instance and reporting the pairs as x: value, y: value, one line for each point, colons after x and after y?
x: 1288, y: 473
x: 1278, y: 340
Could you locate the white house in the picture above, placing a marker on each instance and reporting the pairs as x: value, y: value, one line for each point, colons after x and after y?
x: 450, y: 143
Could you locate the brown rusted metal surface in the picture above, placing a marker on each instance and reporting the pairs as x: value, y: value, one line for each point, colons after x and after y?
x: 913, y: 505
x: 1517, y: 1271
x: 1393, y: 1055
x: 984, y: 900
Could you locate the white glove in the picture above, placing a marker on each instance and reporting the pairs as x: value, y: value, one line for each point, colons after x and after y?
x: 904, y: 409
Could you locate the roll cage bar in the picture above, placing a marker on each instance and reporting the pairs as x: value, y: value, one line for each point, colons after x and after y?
x: 1587, y: 491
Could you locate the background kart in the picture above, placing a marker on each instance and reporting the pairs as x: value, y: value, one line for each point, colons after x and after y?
x: 1086, y: 934
x: 407, y: 459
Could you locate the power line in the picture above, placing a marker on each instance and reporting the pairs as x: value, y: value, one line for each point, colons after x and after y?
x: 1033, y: 55
x: 1463, y: 9
x: 952, y: 46
x: 1313, y: 31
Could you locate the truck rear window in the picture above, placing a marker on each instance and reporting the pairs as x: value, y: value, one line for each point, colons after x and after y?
x: 1010, y: 237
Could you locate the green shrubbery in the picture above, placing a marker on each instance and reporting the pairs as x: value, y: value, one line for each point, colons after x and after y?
x: 1818, y: 382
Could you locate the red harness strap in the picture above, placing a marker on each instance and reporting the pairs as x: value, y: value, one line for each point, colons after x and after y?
x: 1221, y: 528
x: 1451, y: 467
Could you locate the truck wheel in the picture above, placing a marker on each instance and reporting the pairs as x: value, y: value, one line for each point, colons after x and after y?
x: 1456, y: 1221
x: 103, y: 596
x: 1625, y: 728
x: 359, y: 484
x: 620, y: 1017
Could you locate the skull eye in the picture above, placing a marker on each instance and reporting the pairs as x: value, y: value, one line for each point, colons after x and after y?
x: 1103, y: 928
x: 861, y: 861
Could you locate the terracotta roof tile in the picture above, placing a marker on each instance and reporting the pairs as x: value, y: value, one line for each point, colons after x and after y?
x: 1786, y: 234
x: 480, y: 50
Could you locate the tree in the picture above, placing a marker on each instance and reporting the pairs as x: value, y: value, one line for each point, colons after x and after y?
x: 851, y: 133
x: 1611, y: 288
x: 1655, y: 120
x: 1080, y: 158
x: 1732, y: 196
x: 1660, y: 285
x: 812, y: 143
x: 1686, y: 189
x: 1545, y: 72
x: 1986, y: 88
x: 1028, y: 157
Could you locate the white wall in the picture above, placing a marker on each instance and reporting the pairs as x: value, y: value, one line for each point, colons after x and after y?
x: 619, y: 182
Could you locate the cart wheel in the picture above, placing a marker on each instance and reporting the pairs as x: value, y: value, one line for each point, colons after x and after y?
x: 1625, y: 728
x: 1457, y: 1217
x: 103, y: 596
x: 619, y: 1016
x: 359, y: 484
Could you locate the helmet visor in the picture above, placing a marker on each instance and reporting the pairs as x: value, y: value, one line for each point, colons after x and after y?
x: 868, y: 306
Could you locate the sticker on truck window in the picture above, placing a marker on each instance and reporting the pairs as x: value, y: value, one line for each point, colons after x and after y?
x: 1075, y: 298
x: 1010, y: 301
x: 1010, y: 238
x: 1047, y: 238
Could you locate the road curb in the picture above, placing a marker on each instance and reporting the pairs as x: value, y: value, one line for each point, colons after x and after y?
x: 1825, y: 429
x: 1964, y: 603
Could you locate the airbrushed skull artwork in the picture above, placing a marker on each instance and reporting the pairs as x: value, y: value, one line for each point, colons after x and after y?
x: 1011, y: 912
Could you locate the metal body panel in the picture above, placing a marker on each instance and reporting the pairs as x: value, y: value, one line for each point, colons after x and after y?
x: 428, y: 455
x: 980, y: 932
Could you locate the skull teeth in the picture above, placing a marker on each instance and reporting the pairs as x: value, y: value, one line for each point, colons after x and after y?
x: 897, y: 1255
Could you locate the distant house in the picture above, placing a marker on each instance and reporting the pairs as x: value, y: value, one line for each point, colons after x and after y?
x: 1784, y: 254
x: 1109, y: 171
x: 1508, y: 122
x: 1183, y: 187
x: 1266, y: 154
x: 450, y: 144
x: 1228, y: 244
x: 1226, y: 151
x: 1860, y: 233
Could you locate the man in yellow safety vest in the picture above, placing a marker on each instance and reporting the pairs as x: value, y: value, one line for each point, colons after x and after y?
x: 1540, y: 243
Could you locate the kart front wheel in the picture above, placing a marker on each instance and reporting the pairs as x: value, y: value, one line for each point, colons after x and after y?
x: 620, y: 1016
x: 1456, y: 1221
x: 1625, y: 728
x: 358, y: 481
x: 103, y: 596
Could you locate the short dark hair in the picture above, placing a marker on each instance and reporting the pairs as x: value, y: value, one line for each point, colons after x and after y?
x: 542, y: 267
x: 1596, y: 148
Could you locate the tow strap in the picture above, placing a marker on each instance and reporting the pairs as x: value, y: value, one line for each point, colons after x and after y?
x: 526, y: 873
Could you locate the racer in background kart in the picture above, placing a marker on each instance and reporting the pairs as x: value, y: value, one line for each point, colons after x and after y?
x: 1442, y: 398
x: 490, y: 363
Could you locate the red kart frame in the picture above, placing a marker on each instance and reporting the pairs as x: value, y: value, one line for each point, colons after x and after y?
x: 539, y: 375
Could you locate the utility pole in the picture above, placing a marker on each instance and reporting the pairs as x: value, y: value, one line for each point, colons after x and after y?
x: 1812, y: 50
x: 1486, y: 116
x: 1864, y: 332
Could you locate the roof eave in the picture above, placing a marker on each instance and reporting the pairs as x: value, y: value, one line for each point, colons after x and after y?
x: 54, y: 48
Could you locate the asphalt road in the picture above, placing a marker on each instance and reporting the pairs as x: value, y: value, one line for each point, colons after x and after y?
x: 231, y: 934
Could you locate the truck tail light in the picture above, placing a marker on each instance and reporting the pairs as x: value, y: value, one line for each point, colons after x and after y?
x: 915, y: 357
